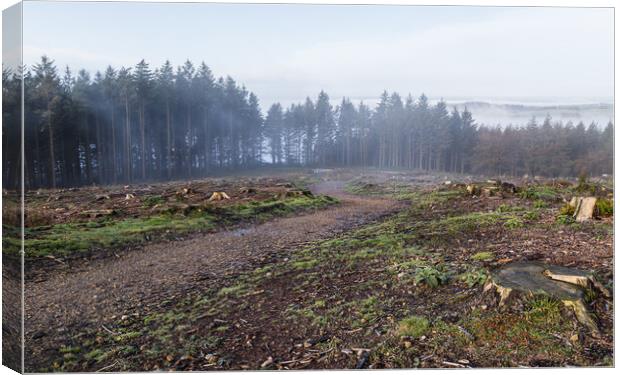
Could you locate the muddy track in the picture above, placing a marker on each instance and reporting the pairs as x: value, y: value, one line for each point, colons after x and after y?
x: 102, y: 289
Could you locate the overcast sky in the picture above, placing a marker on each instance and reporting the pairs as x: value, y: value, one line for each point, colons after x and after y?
x: 287, y: 52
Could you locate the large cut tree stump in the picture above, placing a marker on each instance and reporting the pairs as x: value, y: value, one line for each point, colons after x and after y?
x: 218, y: 196
x: 585, y: 208
x: 525, y: 279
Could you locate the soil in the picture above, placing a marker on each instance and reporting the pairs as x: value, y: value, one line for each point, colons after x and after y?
x: 99, y: 291
x: 58, y: 206
x: 331, y: 289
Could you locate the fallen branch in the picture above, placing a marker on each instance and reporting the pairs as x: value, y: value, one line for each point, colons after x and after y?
x: 452, y: 364
x: 107, y: 367
x: 109, y: 330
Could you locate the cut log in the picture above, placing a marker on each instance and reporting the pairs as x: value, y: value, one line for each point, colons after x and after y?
x: 218, y: 196
x: 534, y: 278
x: 585, y: 209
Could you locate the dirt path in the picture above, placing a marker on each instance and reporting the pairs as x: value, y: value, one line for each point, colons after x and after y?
x: 112, y: 287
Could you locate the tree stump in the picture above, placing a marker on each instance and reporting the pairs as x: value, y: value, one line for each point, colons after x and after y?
x: 247, y: 190
x: 472, y: 189
x: 584, y: 208
x: 526, y: 279
x: 218, y: 196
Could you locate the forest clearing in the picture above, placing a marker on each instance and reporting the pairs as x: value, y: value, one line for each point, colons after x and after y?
x: 226, y: 186
x: 388, y: 272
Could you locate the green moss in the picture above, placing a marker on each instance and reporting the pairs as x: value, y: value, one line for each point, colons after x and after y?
x: 70, y: 349
x: 531, y: 215
x: 465, y: 223
x: 127, y: 336
x: 483, y: 256
x: 392, y: 189
x: 509, y: 208
x: 235, y: 290
x: 70, y: 238
x: 96, y: 355
x: 413, y: 326
x: 305, y: 264
x: 540, y: 193
x: 439, y: 197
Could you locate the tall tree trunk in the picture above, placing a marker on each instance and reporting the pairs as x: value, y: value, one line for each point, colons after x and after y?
x: 128, y: 155
x: 168, y: 141
x: 50, y: 129
x: 87, y: 154
x: 142, y: 141
x: 207, y: 157
x: 100, y: 174
x: 113, y: 153
x: 189, y: 141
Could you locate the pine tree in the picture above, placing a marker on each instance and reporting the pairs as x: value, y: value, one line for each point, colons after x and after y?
x: 273, y: 132
x: 46, y: 89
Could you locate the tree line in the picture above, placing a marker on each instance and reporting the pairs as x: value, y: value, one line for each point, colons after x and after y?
x: 141, y: 124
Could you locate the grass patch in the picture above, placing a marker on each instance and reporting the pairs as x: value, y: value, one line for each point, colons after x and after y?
x: 513, y: 223
x: 509, y: 208
x: 543, y: 310
x: 540, y: 193
x: 413, y: 326
x: 305, y: 264
x: 439, y: 197
x: 531, y: 215
x: 396, y: 190
x: 235, y: 290
x: 567, y: 210
x: 565, y: 219
x: 71, y: 238
x: 464, y: 224
x: 605, y: 207
x: 483, y: 256
x: 539, y: 203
